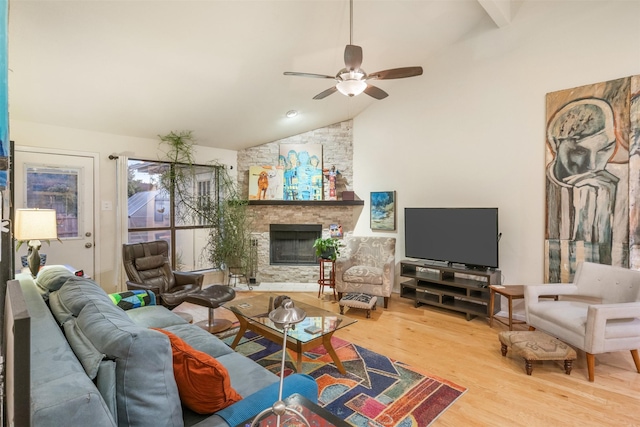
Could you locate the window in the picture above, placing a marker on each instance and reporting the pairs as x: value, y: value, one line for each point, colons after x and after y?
x: 156, y: 212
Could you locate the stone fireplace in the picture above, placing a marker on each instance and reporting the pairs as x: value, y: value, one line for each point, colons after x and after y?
x: 319, y: 215
x: 337, y: 151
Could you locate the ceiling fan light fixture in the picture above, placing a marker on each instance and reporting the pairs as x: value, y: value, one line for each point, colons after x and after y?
x: 351, y: 87
x: 292, y: 113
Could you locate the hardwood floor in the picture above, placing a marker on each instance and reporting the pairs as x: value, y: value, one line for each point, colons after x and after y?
x: 499, y: 393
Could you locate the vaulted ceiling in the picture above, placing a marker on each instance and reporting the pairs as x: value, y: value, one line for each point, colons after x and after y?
x: 144, y: 68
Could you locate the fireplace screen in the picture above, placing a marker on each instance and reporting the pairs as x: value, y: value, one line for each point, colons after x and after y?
x: 292, y: 244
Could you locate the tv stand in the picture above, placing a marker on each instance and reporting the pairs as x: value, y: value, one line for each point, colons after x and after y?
x: 459, y: 289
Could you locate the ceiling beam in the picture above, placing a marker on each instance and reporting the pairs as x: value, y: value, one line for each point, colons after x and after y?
x: 498, y: 10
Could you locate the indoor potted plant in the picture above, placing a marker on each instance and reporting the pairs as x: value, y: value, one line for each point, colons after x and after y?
x: 228, y: 242
x: 327, y: 248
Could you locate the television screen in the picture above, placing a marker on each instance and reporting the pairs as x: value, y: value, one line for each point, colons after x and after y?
x: 456, y: 235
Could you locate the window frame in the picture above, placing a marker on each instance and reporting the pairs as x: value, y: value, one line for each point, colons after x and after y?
x: 173, y: 227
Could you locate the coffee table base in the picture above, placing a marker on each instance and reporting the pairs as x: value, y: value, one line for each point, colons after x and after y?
x: 298, y: 347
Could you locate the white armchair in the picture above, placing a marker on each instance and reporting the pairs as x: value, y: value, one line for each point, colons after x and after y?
x: 367, y: 265
x: 598, y: 313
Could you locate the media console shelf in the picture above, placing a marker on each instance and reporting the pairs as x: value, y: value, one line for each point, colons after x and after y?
x: 459, y: 289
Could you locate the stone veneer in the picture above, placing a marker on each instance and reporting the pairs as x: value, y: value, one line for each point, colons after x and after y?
x: 337, y: 150
x: 278, y: 214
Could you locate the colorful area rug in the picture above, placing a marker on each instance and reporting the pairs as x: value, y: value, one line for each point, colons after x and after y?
x: 376, y: 391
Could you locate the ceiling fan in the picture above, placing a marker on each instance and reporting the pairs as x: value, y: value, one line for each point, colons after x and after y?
x: 353, y: 80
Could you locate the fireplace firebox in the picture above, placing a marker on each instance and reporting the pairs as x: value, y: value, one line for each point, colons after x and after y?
x: 292, y: 244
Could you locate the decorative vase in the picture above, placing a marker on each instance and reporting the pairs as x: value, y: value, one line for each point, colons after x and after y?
x: 25, y: 262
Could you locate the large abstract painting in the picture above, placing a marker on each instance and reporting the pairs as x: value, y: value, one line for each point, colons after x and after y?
x: 590, y: 187
x: 302, y: 171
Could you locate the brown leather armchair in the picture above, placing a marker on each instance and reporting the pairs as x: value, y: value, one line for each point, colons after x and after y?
x: 147, y: 266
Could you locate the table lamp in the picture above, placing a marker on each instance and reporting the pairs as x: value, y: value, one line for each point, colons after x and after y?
x: 283, y: 317
x: 33, y: 225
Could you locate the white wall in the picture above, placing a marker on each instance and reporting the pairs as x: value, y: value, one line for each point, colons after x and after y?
x: 472, y: 128
x: 26, y: 134
x: 469, y: 132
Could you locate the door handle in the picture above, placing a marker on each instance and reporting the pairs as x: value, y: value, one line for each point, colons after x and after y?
x: 88, y: 245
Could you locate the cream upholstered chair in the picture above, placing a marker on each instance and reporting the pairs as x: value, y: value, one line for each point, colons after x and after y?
x: 367, y: 265
x: 598, y: 313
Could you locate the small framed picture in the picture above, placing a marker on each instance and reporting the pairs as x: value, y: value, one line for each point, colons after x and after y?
x: 383, y: 210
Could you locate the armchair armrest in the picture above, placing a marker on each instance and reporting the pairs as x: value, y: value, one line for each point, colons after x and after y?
x: 187, y: 278
x: 597, y: 317
x: 343, y: 263
x: 533, y: 292
x: 390, y: 266
x: 144, y: 287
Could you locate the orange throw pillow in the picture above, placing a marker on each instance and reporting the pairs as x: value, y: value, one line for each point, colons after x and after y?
x: 203, y: 382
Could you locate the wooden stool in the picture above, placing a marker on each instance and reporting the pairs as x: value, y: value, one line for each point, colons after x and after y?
x: 536, y: 345
x: 329, y: 281
x: 355, y: 300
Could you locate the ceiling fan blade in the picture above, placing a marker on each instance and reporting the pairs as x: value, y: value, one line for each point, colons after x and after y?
x: 352, y: 57
x: 326, y: 93
x: 375, y: 92
x: 396, y: 73
x: 317, y: 76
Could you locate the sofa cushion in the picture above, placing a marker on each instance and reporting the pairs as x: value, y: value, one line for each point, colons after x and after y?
x: 363, y: 274
x: 142, y: 394
x: 58, y: 381
x: 84, y: 350
x: 155, y: 316
x: 52, y: 278
x: 76, y: 293
x: 200, y: 339
x: 203, y: 383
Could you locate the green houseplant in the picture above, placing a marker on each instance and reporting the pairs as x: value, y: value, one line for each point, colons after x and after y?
x: 229, y: 239
x: 327, y: 248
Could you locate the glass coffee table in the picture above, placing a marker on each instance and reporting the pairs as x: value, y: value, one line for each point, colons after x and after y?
x: 316, y: 329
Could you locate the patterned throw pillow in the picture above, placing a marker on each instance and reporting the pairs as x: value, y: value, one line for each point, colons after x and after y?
x: 203, y: 382
x: 133, y: 299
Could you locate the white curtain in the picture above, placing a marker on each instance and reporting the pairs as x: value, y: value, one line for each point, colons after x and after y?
x: 122, y: 223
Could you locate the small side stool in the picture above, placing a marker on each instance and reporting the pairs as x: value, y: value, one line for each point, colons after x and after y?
x: 358, y: 300
x: 536, y: 345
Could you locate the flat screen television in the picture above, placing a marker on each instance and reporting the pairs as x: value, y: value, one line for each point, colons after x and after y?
x: 467, y: 236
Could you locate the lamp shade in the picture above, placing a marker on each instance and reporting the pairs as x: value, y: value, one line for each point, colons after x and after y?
x: 35, y: 224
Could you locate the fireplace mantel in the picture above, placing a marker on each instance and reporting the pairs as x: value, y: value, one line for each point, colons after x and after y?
x: 307, y: 202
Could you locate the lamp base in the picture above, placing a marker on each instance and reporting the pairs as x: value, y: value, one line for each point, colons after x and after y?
x: 24, y: 260
x: 34, y: 261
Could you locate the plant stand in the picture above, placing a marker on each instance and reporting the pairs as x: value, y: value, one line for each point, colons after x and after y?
x: 327, y: 280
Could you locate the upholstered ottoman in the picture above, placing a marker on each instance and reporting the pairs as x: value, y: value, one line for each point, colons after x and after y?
x: 358, y: 300
x: 536, y: 345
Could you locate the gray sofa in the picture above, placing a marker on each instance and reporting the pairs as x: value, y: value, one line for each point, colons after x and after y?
x: 93, y: 363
